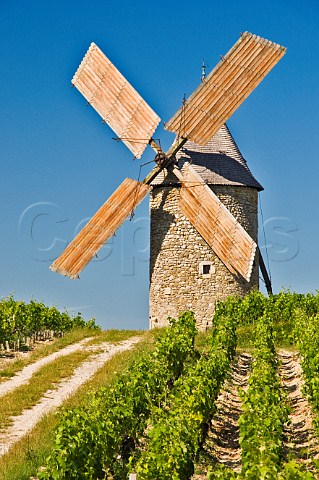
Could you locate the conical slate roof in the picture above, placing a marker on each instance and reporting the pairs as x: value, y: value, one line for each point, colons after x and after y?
x: 219, y: 162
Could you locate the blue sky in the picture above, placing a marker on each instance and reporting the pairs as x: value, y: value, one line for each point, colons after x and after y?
x: 59, y: 164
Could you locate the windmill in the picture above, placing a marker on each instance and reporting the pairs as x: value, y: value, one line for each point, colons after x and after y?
x: 200, y: 117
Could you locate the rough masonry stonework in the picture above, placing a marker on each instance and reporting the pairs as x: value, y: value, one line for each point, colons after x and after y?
x: 178, y: 253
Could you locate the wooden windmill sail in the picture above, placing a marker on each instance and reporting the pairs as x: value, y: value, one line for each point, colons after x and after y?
x: 200, y: 117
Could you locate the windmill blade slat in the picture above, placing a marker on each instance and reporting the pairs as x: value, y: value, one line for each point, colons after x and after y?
x: 108, y: 86
x: 204, y: 221
x: 123, y: 112
x: 243, y: 91
x: 115, y: 100
x: 229, y: 240
x: 210, y: 220
x: 213, y: 231
x: 225, y: 88
x: 206, y: 226
x: 223, y: 77
x: 226, y: 69
x: 100, y: 228
x: 233, y: 86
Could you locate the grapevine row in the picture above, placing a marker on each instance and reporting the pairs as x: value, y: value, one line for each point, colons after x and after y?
x: 96, y: 440
x: 265, y: 411
x: 282, y: 307
x: 177, y: 431
x: 19, y: 320
x: 307, y: 340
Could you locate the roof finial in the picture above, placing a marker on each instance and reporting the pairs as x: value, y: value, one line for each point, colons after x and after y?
x: 203, y: 71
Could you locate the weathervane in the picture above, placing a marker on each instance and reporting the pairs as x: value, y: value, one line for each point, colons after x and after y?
x: 203, y: 71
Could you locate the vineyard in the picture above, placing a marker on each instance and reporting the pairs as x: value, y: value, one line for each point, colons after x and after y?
x: 21, y: 323
x: 239, y: 401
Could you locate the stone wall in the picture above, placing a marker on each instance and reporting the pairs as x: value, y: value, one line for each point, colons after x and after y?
x: 177, y: 253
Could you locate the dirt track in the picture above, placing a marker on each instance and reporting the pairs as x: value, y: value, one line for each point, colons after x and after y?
x: 222, y: 442
x: 300, y: 441
x: 22, y: 377
x: 52, y: 399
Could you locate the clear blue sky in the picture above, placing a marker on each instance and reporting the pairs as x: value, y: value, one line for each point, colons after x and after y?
x: 59, y: 164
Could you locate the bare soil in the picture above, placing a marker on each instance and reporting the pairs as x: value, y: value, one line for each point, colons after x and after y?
x: 22, y: 377
x: 300, y: 441
x: 222, y: 442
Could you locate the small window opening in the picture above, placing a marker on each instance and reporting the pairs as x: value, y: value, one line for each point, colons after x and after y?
x: 206, y: 269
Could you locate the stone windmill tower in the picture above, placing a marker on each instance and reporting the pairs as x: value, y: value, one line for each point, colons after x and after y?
x: 185, y: 273
x: 203, y: 196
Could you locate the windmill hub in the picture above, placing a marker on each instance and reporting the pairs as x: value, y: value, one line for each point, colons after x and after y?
x: 161, y: 160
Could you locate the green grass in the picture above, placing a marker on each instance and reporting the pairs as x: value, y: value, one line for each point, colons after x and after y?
x: 245, y: 337
x: 282, y: 336
x: 115, y: 336
x: 49, y: 376
x: 46, y: 378
x: 25, y: 457
x: 201, y: 340
x: 45, y: 349
x: 75, y: 336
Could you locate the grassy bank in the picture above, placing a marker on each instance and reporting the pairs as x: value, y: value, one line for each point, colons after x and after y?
x: 24, y: 458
